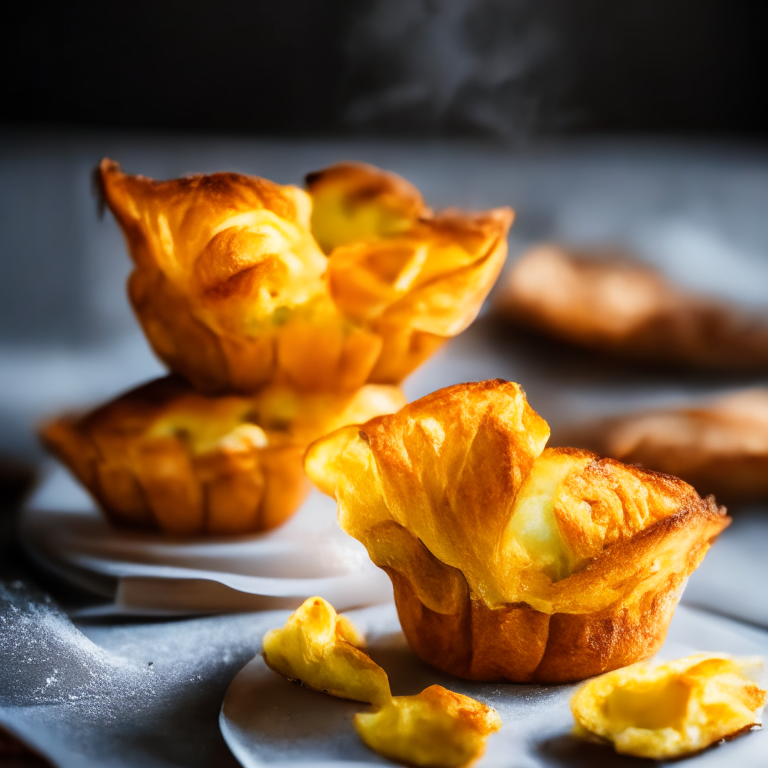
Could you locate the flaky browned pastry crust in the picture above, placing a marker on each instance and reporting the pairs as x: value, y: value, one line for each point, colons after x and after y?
x: 164, y: 457
x: 233, y: 290
x: 604, y: 300
x: 511, y: 561
x: 720, y: 447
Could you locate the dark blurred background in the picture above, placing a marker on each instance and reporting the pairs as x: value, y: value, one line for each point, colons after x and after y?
x: 511, y: 69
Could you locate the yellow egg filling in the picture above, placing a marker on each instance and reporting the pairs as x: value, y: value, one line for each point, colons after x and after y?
x: 437, y: 728
x: 323, y: 652
x: 532, y: 532
x: 353, y: 202
x: 673, y: 709
x: 220, y: 426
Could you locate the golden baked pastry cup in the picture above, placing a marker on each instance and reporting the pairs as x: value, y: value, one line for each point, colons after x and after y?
x: 233, y: 291
x: 165, y: 457
x: 509, y: 561
x: 602, y: 299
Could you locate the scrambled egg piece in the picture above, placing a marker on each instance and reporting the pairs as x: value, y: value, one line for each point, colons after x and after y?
x: 233, y: 290
x: 509, y: 560
x: 670, y: 710
x: 166, y: 457
x: 435, y: 728
x: 323, y: 651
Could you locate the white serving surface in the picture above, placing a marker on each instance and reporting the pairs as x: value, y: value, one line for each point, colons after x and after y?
x: 151, y: 573
x: 267, y: 720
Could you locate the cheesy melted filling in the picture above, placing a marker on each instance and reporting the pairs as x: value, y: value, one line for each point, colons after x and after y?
x: 204, y: 432
x: 672, y: 709
x: 652, y: 705
x: 532, y: 532
x: 336, y: 221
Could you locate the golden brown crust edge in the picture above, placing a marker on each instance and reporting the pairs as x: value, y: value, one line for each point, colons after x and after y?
x: 519, y: 644
x: 217, y: 494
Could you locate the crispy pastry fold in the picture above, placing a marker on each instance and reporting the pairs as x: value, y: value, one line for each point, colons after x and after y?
x: 233, y: 291
x: 163, y: 456
x: 325, y: 652
x: 510, y: 561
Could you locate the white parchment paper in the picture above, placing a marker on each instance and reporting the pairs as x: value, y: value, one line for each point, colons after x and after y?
x: 148, y: 573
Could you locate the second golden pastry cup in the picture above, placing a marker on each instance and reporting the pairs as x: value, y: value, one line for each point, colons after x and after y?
x: 509, y: 561
x: 164, y: 457
x: 233, y: 290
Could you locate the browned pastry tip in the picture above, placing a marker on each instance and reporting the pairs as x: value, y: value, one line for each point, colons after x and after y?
x: 436, y: 728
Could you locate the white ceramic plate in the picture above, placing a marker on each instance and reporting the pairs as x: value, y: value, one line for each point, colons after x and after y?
x: 266, y: 720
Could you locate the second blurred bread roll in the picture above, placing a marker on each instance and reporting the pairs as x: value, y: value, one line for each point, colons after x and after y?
x: 606, y: 301
x: 164, y: 457
x: 719, y: 447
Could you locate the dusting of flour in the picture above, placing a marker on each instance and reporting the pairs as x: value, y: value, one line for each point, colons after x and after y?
x: 47, y: 660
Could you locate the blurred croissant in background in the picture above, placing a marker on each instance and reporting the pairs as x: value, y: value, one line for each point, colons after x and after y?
x: 510, y: 561
x: 165, y: 457
x: 719, y: 447
x: 239, y: 281
x: 606, y: 301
